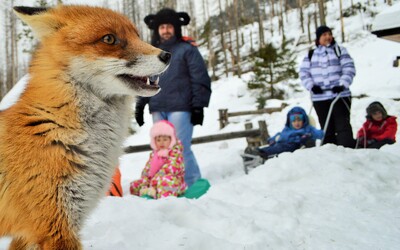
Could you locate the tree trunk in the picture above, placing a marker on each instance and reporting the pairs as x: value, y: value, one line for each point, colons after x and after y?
x: 272, y: 15
x: 308, y: 27
x: 321, y: 9
x: 281, y: 23
x: 239, y: 71
x: 300, y: 3
x: 315, y: 14
x: 341, y: 20
x: 260, y: 24
x: 14, y: 50
x: 223, y: 45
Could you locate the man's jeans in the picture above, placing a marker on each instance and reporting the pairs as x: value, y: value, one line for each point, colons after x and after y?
x: 184, y: 132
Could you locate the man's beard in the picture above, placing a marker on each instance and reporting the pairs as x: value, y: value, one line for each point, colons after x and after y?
x: 166, y: 36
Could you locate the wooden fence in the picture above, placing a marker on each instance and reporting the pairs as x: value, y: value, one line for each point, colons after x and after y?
x: 224, y: 114
x: 254, y: 138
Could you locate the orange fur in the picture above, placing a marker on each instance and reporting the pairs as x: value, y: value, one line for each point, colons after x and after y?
x: 52, y: 172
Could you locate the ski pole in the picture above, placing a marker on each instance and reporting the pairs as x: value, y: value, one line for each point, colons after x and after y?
x: 329, y: 115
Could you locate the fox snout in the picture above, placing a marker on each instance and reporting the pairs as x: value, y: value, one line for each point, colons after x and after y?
x: 165, y: 57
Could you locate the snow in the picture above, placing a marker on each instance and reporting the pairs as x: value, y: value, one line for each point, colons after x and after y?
x: 327, y: 197
x: 387, y: 19
x: 13, y: 95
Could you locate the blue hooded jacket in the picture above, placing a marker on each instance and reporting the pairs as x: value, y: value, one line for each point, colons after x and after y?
x: 300, y: 136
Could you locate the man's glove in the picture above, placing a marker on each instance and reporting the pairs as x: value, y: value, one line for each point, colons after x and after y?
x: 316, y: 89
x: 337, y: 89
x: 197, y: 116
x: 139, y: 117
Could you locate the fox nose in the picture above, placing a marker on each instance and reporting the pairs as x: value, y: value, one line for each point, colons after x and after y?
x: 164, y: 57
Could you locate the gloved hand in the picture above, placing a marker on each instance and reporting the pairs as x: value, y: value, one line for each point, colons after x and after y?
x: 338, y: 89
x: 316, y: 89
x: 139, y: 117
x: 304, y: 138
x: 197, y: 116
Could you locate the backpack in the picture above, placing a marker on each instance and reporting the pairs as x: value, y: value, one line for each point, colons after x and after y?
x: 189, y: 40
x: 336, y: 48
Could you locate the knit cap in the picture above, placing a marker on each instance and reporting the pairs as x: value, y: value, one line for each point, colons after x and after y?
x: 321, y: 30
x: 162, y: 127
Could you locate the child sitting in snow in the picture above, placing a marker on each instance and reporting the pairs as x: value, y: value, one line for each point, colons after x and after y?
x: 296, y: 133
x: 379, y: 128
x: 164, y: 172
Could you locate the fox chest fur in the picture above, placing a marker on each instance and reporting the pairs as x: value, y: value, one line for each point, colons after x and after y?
x: 70, y: 139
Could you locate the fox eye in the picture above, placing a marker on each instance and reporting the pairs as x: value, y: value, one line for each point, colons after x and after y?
x: 110, y: 39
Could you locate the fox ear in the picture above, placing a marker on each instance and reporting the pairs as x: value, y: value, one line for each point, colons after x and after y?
x: 38, y: 19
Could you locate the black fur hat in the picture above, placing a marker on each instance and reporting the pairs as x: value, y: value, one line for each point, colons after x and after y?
x: 166, y: 15
x: 374, y: 107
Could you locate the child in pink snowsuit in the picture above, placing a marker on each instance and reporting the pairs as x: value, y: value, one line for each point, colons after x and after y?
x: 164, y: 172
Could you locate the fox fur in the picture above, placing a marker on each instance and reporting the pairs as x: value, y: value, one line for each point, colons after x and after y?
x: 60, y: 142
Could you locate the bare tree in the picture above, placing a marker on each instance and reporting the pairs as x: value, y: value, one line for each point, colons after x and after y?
x: 211, y: 53
x: 341, y: 21
x: 315, y: 14
x: 260, y: 24
x: 321, y: 8
x: 239, y: 71
x: 300, y: 4
x: 272, y: 15
x: 281, y: 24
x: 222, y: 30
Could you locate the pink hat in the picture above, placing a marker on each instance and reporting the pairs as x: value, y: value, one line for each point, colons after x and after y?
x: 162, y: 127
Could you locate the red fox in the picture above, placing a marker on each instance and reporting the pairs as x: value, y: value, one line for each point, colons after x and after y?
x: 61, y: 140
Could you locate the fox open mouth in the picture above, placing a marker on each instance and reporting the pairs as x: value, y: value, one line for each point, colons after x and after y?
x: 141, y: 83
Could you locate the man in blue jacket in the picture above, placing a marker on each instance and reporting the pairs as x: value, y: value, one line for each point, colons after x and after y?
x: 185, y: 86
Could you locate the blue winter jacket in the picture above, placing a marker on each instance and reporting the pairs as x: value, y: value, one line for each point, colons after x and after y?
x: 327, y: 70
x: 185, y: 84
x: 300, y: 136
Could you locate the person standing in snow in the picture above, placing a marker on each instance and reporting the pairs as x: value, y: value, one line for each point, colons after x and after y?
x: 327, y: 72
x: 185, y: 86
x: 164, y: 172
x: 379, y: 129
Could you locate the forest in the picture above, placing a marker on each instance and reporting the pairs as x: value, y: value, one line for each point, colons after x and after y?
x: 218, y: 27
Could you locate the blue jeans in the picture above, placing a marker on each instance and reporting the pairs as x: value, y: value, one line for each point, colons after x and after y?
x: 184, y: 132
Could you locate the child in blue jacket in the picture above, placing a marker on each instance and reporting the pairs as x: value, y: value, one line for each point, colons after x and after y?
x: 297, y: 133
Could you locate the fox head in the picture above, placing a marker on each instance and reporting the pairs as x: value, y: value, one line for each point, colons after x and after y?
x: 95, y: 47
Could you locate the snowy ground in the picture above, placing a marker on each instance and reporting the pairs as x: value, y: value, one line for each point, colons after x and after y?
x: 326, y: 197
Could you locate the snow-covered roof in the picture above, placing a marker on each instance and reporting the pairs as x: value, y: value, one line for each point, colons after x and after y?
x: 387, y: 23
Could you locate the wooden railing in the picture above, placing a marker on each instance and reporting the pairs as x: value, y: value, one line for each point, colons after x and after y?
x: 254, y: 138
x: 224, y: 114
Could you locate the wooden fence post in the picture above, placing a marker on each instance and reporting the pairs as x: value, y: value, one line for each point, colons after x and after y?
x: 264, y: 135
x: 223, y: 118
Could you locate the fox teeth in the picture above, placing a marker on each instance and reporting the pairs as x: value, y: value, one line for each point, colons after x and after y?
x: 148, y: 81
x: 156, y: 82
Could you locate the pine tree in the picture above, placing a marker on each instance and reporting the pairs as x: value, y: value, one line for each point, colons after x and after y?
x: 272, y: 65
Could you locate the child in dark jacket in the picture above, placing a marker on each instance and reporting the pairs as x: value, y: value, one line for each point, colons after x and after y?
x: 379, y: 128
x: 297, y: 133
